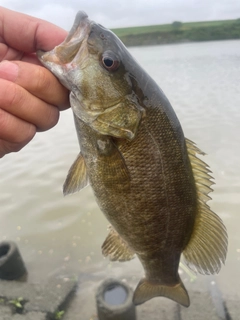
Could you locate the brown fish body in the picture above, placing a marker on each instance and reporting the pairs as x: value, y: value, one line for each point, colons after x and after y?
x: 151, y: 202
x: 145, y: 175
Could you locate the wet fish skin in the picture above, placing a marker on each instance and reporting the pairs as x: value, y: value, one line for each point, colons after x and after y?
x: 144, y: 173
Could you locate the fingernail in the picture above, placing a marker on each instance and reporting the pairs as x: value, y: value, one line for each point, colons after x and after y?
x: 8, y: 70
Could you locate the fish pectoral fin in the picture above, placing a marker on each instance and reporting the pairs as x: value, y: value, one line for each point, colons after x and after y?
x: 207, y: 248
x: 147, y: 290
x: 77, y: 177
x: 120, y: 121
x: 116, y: 248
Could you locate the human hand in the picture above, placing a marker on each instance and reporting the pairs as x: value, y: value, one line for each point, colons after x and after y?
x: 30, y: 96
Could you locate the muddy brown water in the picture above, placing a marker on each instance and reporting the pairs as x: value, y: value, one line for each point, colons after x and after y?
x: 62, y: 236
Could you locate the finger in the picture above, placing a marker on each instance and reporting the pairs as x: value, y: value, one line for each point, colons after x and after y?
x: 28, y: 34
x: 7, y: 53
x: 9, y: 140
x: 19, y: 102
x: 30, y: 58
x: 39, y: 81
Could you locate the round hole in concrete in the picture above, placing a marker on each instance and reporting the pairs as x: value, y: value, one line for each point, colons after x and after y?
x: 115, y: 295
x: 4, y: 250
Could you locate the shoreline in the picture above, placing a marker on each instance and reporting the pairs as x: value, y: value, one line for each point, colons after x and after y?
x: 179, y: 32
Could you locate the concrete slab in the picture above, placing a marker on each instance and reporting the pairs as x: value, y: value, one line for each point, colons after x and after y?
x: 51, y: 297
x: 40, y: 301
x: 233, y: 309
x: 15, y: 289
x: 30, y: 316
x: 43, y: 300
x: 201, y: 308
x: 5, y: 312
x: 158, y: 308
x: 83, y: 306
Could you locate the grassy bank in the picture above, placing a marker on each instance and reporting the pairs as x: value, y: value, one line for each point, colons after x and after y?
x: 180, y: 32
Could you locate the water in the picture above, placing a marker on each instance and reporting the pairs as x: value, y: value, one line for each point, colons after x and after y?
x: 115, y: 295
x: 61, y: 236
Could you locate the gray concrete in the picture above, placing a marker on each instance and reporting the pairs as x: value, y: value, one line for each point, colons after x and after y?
x: 206, y: 304
x: 158, y: 309
x: 83, y: 306
x: 50, y: 297
x: 40, y: 301
x: 30, y: 316
x: 6, y: 313
x: 233, y: 308
x: 202, y: 308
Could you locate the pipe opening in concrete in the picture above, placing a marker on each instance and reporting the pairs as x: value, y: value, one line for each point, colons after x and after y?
x: 115, y: 294
x: 4, y: 250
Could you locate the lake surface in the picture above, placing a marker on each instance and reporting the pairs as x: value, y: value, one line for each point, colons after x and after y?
x: 63, y: 236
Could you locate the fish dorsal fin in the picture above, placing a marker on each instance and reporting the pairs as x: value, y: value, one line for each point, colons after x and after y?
x: 77, y: 177
x: 207, y: 247
x: 116, y: 248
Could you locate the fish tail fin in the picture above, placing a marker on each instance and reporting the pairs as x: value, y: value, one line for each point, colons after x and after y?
x: 147, y: 290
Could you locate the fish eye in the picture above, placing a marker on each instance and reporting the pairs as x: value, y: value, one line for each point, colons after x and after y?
x: 110, y: 61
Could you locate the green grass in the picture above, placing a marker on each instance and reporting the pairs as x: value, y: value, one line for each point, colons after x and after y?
x: 168, y: 27
x: 141, y: 30
x: 179, y: 32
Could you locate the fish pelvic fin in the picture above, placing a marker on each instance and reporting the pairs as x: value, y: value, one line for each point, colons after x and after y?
x: 116, y: 248
x: 77, y: 177
x: 207, y: 248
x: 147, y: 290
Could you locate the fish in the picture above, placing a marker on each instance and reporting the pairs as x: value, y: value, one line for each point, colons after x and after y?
x: 146, y: 176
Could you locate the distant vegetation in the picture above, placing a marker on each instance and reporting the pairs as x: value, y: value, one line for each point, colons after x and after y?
x: 179, y: 32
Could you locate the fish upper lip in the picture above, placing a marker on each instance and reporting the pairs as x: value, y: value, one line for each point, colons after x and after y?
x: 81, y: 15
x: 78, y: 33
x: 80, y: 23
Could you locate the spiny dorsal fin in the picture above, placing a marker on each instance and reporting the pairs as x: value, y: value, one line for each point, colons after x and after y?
x: 116, y: 248
x: 207, y: 248
x: 77, y: 177
x: 147, y: 290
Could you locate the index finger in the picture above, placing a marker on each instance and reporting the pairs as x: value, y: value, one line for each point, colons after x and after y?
x: 28, y: 34
x: 41, y: 83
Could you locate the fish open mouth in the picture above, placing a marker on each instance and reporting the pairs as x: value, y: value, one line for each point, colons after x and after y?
x: 68, y: 49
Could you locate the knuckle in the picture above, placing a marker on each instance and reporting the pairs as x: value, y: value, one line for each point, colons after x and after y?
x: 8, y: 147
x: 43, y: 79
x: 15, y: 133
x: 52, y: 117
x: 24, y: 137
x: 14, y: 94
x: 15, y: 147
x: 28, y: 135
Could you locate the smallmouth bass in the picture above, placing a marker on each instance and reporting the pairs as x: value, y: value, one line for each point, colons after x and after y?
x: 146, y: 176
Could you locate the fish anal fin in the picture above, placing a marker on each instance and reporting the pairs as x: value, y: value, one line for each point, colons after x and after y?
x: 116, y: 248
x: 207, y: 248
x: 147, y: 290
x: 77, y: 177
